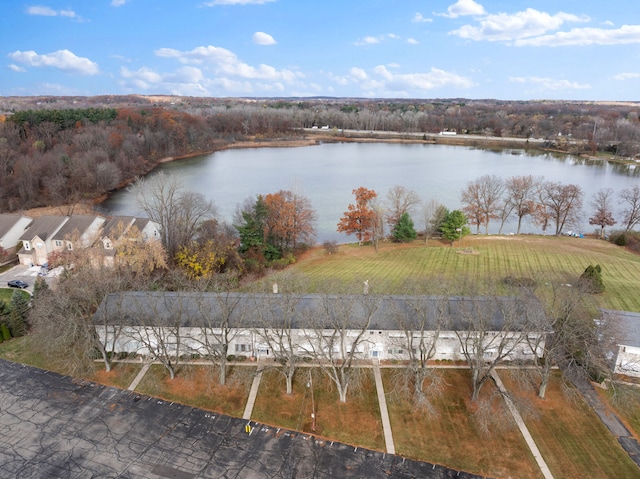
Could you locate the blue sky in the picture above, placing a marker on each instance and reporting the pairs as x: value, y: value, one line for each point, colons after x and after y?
x: 503, y: 49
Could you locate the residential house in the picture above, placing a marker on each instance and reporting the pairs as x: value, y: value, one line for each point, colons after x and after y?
x: 37, y: 239
x: 376, y: 328
x: 80, y: 231
x: 126, y: 228
x: 12, y: 227
x: 625, y: 327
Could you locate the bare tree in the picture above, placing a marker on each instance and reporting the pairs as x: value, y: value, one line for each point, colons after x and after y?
x: 482, y: 199
x: 521, y: 193
x: 377, y: 222
x: 490, y: 330
x: 603, y: 215
x: 421, y: 318
x: 433, y: 215
x: 563, y: 202
x: 399, y: 201
x: 630, y: 198
x: 157, y: 321
x: 336, y: 337
x: 279, y: 315
x: 178, y: 212
x: 219, y: 320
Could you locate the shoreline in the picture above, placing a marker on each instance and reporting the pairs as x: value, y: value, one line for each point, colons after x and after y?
x: 312, y: 137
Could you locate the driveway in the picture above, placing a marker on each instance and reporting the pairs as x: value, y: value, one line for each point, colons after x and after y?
x: 28, y: 274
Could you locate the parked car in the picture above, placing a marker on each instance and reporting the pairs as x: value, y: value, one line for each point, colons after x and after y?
x: 16, y: 283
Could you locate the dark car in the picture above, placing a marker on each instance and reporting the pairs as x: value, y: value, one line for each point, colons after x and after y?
x: 16, y: 283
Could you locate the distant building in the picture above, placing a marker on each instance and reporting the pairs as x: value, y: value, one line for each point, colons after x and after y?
x: 12, y: 227
x: 625, y: 326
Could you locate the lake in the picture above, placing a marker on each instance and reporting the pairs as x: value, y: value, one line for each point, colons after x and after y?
x: 327, y: 174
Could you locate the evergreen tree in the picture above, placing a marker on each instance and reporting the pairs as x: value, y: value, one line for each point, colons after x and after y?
x: 404, y: 231
x: 591, y: 279
x: 18, y: 316
x: 40, y: 287
x: 454, y: 226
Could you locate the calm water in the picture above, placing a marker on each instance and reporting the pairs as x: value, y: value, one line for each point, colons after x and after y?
x: 327, y: 174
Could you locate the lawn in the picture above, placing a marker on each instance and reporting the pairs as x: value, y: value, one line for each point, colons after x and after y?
x: 120, y: 376
x: 572, y: 440
x: 625, y: 400
x: 355, y: 422
x: 6, y: 293
x: 198, y: 386
x: 453, y: 436
x: 19, y: 350
x: 542, y: 258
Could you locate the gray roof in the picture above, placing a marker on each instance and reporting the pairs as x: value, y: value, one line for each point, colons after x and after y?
x: 117, y: 226
x: 77, y: 224
x: 626, y: 327
x: 7, y: 222
x: 251, y: 310
x: 43, y: 227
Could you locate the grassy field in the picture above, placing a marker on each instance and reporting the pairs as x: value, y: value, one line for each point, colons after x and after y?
x: 572, y: 440
x: 355, y: 422
x: 451, y: 435
x: 543, y: 258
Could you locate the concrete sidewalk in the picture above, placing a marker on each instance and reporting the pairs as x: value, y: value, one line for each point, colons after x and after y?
x: 253, y: 393
x: 384, y: 413
x: 546, y: 472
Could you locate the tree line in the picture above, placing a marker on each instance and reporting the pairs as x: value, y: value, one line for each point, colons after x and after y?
x: 53, y: 156
x: 549, y: 205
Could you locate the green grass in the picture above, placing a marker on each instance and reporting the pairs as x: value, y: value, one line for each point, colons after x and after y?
x: 19, y: 350
x: 541, y: 258
x: 6, y: 293
x: 452, y: 436
x: 571, y: 438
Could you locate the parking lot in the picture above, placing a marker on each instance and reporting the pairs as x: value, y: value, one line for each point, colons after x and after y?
x: 28, y: 274
x: 52, y: 426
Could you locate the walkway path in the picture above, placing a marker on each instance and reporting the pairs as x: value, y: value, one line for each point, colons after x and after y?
x: 253, y: 393
x: 523, y: 428
x: 139, y: 377
x: 384, y: 413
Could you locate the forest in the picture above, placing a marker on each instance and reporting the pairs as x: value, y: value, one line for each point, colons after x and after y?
x: 61, y: 150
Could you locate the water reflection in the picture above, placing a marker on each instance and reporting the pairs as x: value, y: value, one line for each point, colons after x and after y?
x: 327, y: 174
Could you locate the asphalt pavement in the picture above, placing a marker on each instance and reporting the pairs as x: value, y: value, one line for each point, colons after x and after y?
x: 53, y: 426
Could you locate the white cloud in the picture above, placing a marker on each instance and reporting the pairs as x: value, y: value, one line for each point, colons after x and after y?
x: 45, y: 11
x: 261, y: 38
x: 17, y: 68
x: 412, y: 41
x: 62, y: 59
x: 626, y: 76
x: 463, y: 8
x: 419, y: 18
x: 225, y: 62
x: 371, y: 40
x: 626, y: 34
x: 508, y: 27
x: 551, y: 83
x: 383, y: 82
x: 236, y: 2
x: 118, y: 3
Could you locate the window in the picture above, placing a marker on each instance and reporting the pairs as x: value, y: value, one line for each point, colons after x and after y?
x: 27, y: 246
x: 69, y: 246
x: 242, y: 348
x: 58, y: 243
x: 394, y: 351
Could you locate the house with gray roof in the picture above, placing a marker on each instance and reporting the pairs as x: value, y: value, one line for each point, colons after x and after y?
x: 12, y: 227
x: 625, y: 326
x: 78, y: 231
x: 375, y: 327
x: 37, y: 239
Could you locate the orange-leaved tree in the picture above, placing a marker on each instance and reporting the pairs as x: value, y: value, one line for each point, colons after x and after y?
x: 359, y: 217
x: 290, y: 219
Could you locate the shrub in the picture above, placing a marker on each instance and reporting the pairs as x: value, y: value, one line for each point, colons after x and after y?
x: 4, y: 332
x: 330, y: 247
x: 591, y: 279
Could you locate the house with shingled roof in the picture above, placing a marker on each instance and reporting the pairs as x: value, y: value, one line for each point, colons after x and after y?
x: 12, y: 227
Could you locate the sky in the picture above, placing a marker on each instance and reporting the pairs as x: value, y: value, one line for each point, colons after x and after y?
x: 498, y: 49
